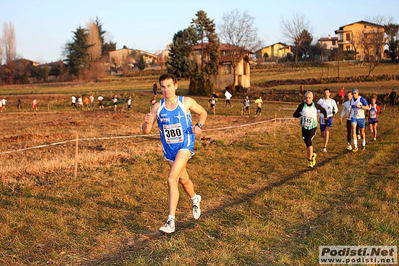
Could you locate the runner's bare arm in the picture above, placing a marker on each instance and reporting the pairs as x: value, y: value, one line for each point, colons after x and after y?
x: 194, y: 107
x: 149, y: 119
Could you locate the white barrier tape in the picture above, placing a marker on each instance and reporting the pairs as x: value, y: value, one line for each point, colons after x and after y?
x: 135, y: 136
x: 73, y: 140
x: 246, y: 125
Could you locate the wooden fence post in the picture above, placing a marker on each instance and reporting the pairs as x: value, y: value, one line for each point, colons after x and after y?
x: 76, y: 155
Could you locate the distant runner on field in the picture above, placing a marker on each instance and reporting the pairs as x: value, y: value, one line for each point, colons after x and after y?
x: 73, y: 101
x: 115, y: 101
x: 34, y: 104
x: 100, y: 102
x: 246, y: 106
x: 258, y: 103
x: 228, y: 96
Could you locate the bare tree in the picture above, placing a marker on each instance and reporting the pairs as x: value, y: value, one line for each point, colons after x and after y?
x: 94, y: 40
x: 9, y: 42
x: 292, y: 30
x: 237, y: 30
x: 371, y: 41
x: 161, y: 60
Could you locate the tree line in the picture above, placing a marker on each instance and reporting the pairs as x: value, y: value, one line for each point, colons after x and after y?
x: 86, y: 54
x: 85, y: 57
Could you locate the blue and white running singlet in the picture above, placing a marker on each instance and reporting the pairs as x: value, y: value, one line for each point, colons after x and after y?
x: 175, y: 129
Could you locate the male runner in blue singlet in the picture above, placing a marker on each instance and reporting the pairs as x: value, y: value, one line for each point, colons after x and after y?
x: 173, y: 114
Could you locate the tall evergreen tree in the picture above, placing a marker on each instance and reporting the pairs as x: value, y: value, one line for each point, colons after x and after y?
x: 392, y: 32
x: 304, y: 49
x: 184, y: 63
x: 209, y: 44
x: 141, y: 63
x: 208, y: 41
x: 77, y: 52
x: 179, y: 62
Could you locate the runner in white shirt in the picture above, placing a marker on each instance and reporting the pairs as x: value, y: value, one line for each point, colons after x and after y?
x: 100, y: 102
x: 129, y: 103
x: 73, y: 100
x: 326, y: 122
x: 4, y: 104
x: 358, y: 107
x: 80, y: 103
x: 228, y: 96
x: 347, y: 111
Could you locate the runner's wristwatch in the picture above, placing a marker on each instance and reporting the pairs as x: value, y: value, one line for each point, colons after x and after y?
x: 199, y: 125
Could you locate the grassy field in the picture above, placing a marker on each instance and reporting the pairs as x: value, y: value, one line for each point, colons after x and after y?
x: 346, y: 69
x: 261, y: 205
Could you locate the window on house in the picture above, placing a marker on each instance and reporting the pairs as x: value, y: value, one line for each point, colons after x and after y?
x: 348, y: 37
x: 227, y: 69
x: 244, y: 65
x: 333, y: 43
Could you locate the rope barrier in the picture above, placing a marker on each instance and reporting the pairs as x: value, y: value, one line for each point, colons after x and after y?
x: 134, y: 136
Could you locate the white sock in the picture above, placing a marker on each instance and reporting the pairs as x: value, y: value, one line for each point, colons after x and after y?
x: 355, y: 142
x: 363, y: 142
x: 171, y: 217
x: 194, y: 198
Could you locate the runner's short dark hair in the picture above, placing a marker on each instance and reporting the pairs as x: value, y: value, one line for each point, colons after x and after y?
x: 168, y: 76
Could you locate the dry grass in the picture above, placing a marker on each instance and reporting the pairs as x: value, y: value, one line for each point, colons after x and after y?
x: 261, y: 205
x: 279, y: 72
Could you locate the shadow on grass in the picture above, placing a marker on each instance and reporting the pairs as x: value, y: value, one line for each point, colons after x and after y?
x: 142, y: 239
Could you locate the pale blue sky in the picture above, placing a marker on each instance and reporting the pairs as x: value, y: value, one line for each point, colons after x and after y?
x: 44, y: 26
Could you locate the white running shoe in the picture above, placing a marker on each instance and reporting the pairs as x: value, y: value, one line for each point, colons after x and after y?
x: 374, y: 139
x: 196, y: 207
x: 349, y: 148
x: 324, y: 149
x: 169, y: 227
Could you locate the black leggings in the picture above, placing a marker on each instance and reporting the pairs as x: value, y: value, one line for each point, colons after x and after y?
x: 308, y: 136
x: 348, y: 131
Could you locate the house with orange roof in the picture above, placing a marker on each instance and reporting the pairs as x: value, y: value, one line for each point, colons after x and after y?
x: 225, y: 75
x: 364, y: 39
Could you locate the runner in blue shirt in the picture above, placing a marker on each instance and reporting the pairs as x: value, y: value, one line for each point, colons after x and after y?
x: 173, y: 114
